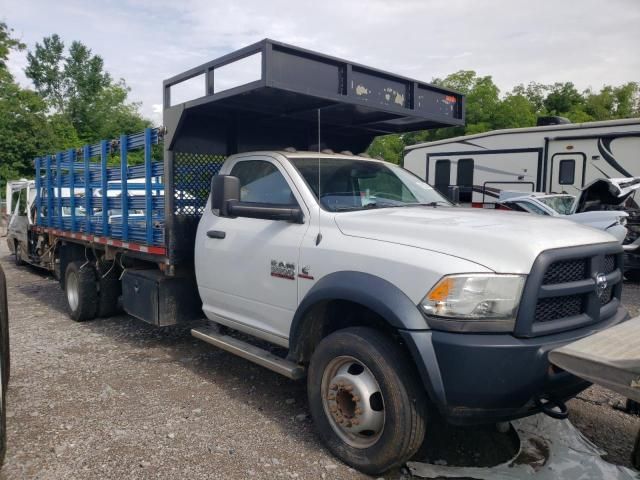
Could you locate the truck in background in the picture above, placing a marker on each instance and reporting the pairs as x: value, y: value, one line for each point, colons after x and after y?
x: 392, y: 302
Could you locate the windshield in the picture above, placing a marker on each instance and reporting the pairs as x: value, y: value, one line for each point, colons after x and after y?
x: 561, y: 204
x: 347, y: 184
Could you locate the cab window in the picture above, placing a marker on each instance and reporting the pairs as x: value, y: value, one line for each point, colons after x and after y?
x: 19, y: 198
x: 262, y: 182
x: 531, y: 208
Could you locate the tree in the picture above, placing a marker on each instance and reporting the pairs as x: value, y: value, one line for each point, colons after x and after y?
x: 388, y: 147
x: 22, y: 118
x: 514, y: 111
x: 563, y: 98
x: 7, y: 43
x: 613, y: 102
x: 77, y: 88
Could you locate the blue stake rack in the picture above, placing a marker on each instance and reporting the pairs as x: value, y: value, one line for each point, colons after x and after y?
x: 77, y: 192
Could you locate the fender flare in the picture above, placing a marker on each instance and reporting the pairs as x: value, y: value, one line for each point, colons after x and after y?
x: 377, y: 294
x: 390, y: 303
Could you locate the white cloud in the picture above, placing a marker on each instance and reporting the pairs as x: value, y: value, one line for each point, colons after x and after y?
x: 145, y: 41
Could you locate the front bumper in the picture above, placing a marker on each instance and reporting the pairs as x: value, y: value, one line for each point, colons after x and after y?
x: 484, y: 378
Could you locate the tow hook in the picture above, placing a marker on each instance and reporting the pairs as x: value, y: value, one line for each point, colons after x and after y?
x: 552, y: 407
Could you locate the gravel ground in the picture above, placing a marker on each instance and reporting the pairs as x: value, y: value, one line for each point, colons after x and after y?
x: 116, y: 398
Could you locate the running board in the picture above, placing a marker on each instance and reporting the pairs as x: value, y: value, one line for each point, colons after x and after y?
x: 250, y: 352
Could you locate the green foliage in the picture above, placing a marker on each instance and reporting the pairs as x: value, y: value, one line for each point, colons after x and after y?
x: 75, y: 102
x: 487, y: 110
x: 77, y: 88
x: 388, y: 147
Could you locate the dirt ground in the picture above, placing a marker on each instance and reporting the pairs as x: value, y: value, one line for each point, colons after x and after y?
x: 116, y: 398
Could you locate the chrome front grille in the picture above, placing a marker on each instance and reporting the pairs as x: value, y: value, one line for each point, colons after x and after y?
x: 566, y: 289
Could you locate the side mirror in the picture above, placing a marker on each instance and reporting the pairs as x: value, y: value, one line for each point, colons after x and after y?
x: 223, y: 189
x: 225, y: 198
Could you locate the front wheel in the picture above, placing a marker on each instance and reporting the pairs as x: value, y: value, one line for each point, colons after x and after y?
x: 366, y: 400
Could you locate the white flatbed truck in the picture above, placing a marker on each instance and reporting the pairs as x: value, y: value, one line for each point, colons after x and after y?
x: 393, y: 303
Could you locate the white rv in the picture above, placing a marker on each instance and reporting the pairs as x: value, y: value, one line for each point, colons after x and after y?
x: 560, y: 158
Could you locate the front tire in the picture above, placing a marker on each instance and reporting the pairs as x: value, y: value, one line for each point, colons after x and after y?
x: 81, y: 289
x: 366, y: 401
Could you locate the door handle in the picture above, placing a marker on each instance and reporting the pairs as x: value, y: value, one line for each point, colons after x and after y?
x: 216, y: 234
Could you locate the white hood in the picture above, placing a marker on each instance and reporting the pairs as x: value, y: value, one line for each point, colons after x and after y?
x: 506, y: 242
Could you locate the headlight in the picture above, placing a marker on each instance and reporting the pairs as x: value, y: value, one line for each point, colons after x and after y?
x: 474, y: 302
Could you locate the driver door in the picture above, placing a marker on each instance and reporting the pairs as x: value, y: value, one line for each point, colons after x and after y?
x: 249, y: 277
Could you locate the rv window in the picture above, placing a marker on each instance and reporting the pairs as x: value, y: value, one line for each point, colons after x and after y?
x: 567, y: 172
x: 465, y: 179
x: 443, y: 176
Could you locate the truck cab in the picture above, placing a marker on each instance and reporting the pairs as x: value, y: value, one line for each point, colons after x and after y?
x: 20, y: 212
x: 368, y: 275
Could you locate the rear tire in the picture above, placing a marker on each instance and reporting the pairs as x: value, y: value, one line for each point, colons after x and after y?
x: 110, y: 290
x: 82, y: 292
x: 345, y: 368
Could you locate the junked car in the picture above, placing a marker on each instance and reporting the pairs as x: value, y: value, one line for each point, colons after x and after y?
x: 599, y: 205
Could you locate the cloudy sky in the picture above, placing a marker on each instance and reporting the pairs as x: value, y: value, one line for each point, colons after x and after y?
x: 588, y: 42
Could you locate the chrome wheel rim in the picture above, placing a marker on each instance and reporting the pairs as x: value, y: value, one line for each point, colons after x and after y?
x: 72, y: 291
x: 353, y: 401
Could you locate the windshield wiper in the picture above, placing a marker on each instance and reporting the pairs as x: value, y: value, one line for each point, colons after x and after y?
x: 428, y: 204
x: 368, y: 206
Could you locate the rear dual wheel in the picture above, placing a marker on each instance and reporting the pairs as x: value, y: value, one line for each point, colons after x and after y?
x: 82, y: 292
x: 91, y: 293
x: 366, y: 400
